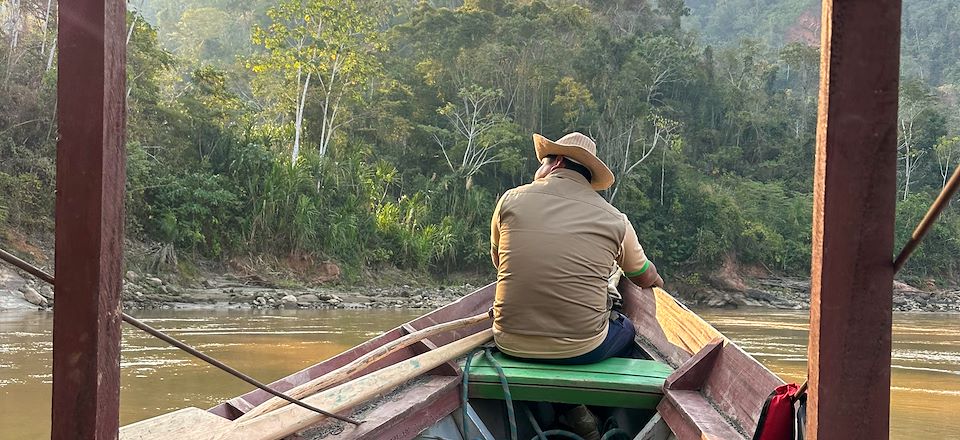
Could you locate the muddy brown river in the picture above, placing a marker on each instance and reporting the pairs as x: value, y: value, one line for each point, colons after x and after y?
x: 270, y: 344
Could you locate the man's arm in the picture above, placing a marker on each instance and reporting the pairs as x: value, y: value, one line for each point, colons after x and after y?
x: 649, y: 277
x: 495, y: 235
x: 640, y: 270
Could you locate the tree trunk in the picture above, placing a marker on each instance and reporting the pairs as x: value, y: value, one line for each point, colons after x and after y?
x: 53, y: 50
x: 906, y: 171
x: 663, y: 164
x: 46, y: 22
x: 133, y: 24
x: 298, y: 125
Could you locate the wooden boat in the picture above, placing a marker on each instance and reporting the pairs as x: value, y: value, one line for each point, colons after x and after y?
x: 694, y: 384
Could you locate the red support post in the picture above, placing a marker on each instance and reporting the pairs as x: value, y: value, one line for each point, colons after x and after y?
x: 91, y: 82
x: 853, y: 221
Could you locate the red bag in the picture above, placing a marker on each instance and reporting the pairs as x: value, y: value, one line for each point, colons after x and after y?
x: 778, y: 419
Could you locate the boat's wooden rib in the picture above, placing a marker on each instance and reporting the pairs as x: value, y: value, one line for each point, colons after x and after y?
x: 665, y: 328
x: 727, y: 404
x: 408, y: 413
x: 691, y: 375
x: 691, y: 417
x: 738, y: 385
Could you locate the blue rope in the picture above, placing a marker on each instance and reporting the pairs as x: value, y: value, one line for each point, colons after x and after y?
x: 533, y: 422
x: 560, y: 433
x: 613, y: 432
x: 511, y: 416
x: 464, y: 398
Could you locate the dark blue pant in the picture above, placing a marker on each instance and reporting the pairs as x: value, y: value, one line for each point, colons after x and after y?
x: 618, y: 343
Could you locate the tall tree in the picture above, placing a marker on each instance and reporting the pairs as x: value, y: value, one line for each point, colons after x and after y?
x: 475, y: 122
x: 915, y: 99
x: 328, y: 41
x: 946, y: 150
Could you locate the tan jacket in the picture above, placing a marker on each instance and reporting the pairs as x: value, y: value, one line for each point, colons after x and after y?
x: 555, y: 242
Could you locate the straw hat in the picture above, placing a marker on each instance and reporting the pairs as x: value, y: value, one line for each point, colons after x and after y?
x: 581, y: 149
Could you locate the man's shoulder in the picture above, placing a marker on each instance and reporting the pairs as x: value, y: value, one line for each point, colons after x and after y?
x: 540, y: 188
x: 532, y: 186
x: 519, y: 191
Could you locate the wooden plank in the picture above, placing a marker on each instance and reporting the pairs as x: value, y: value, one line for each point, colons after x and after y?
x: 655, y: 429
x: 586, y: 396
x: 89, y: 219
x: 855, y: 184
x: 469, y: 305
x: 449, y: 368
x: 290, y: 419
x: 694, y: 372
x: 407, y: 414
x: 240, y: 405
x: 691, y: 417
x: 171, y: 425
x: 361, y: 364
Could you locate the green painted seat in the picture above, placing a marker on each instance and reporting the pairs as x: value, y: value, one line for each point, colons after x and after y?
x: 616, y: 382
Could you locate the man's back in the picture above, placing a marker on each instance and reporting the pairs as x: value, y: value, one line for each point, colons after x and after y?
x: 557, y: 241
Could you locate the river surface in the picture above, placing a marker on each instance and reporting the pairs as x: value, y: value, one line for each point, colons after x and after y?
x: 270, y: 344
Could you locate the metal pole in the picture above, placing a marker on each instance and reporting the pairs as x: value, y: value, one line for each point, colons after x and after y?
x: 37, y: 272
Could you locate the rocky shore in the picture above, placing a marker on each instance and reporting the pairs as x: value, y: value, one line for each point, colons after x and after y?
x: 148, y: 291
x: 792, y: 293
x: 144, y: 290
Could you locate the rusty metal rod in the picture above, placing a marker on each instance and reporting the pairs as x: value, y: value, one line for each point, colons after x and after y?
x: 935, y: 209
x: 26, y: 267
x: 37, y: 272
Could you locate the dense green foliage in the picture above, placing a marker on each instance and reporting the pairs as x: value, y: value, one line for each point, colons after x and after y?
x: 373, y: 133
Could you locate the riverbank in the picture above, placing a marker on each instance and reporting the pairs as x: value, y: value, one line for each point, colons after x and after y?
x: 145, y: 290
x: 794, y: 294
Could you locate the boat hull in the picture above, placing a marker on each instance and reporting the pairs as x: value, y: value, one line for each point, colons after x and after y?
x: 716, y: 391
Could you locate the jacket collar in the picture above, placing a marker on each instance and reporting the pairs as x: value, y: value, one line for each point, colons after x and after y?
x: 563, y: 173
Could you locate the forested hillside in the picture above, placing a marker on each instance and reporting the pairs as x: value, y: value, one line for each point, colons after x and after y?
x: 378, y: 133
x: 930, y: 44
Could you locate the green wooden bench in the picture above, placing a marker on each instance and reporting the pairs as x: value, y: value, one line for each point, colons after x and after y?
x: 616, y: 382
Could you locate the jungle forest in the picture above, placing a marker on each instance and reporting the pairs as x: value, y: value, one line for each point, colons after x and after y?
x: 377, y: 133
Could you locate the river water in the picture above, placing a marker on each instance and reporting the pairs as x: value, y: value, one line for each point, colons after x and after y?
x: 270, y: 344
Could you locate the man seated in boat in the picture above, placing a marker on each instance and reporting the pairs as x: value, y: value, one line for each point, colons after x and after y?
x: 555, y: 242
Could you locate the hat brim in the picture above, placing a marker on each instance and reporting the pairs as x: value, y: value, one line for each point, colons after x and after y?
x: 602, y: 177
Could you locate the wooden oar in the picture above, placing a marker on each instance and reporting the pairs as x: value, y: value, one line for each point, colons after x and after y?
x: 347, y: 371
x: 195, y: 424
